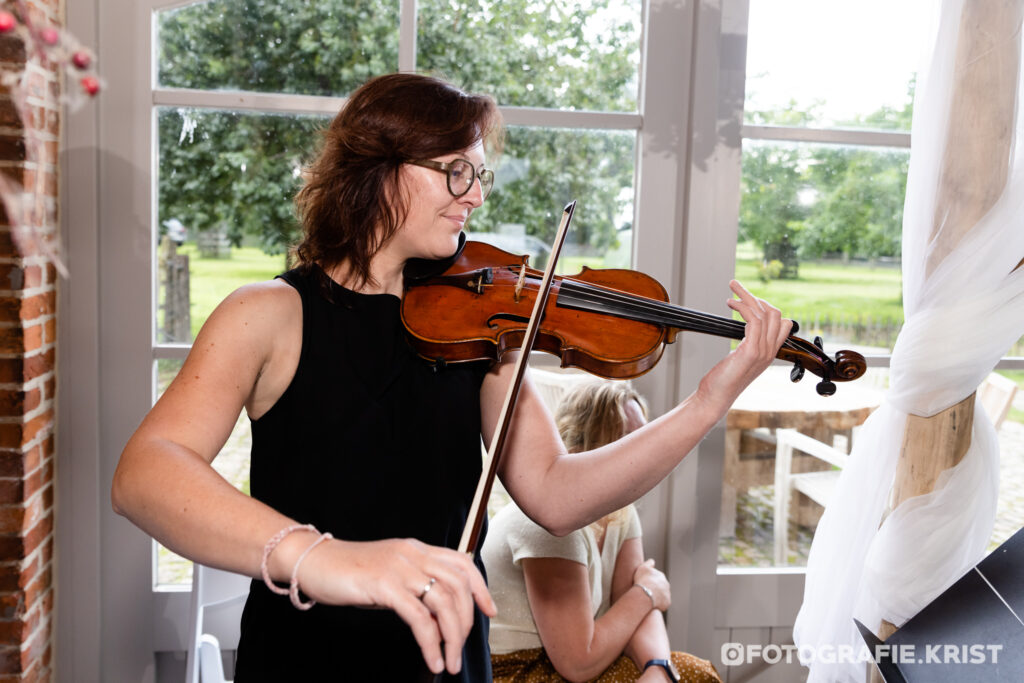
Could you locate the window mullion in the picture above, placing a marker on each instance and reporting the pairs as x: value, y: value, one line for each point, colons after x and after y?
x: 407, y: 35
x: 248, y: 101
x: 832, y: 136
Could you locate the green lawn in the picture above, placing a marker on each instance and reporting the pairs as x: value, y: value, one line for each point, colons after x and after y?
x: 830, y: 290
x: 212, y: 279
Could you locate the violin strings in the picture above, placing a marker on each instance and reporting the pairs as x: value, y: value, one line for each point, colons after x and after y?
x: 589, y: 296
x: 648, y: 310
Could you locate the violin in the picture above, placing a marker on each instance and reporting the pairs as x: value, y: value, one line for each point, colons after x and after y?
x: 613, y: 323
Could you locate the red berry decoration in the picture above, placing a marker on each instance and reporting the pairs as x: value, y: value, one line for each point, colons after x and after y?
x: 90, y: 84
x: 81, y: 59
x: 49, y: 35
x: 7, y: 21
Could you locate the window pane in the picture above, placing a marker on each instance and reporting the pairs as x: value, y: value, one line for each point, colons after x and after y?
x: 232, y: 463
x: 808, y: 64
x: 820, y: 231
x: 820, y: 237
x: 309, y: 48
x: 559, y: 55
x: 542, y: 170
x: 225, y: 206
x: 750, y: 526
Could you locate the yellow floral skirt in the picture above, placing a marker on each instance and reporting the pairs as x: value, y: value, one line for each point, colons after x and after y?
x: 533, y: 666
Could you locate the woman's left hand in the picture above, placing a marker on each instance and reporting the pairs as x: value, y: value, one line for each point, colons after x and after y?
x: 765, y: 332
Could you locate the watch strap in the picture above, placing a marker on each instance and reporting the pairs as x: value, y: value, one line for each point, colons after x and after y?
x: 664, y: 664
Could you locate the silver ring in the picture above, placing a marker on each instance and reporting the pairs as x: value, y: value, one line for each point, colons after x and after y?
x: 426, y: 589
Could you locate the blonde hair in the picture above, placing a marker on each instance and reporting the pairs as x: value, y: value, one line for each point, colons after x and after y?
x: 593, y: 414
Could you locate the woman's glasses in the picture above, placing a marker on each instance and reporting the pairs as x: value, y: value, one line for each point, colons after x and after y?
x: 461, y: 175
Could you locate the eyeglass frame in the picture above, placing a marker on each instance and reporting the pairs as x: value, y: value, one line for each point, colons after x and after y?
x: 445, y: 166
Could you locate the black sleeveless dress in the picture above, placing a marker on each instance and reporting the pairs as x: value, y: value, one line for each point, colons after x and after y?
x: 368, y: 442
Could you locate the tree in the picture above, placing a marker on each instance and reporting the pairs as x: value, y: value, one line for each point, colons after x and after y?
x: 238, y: 172
x: 771, y: 212
x: 859, y: 210
x: 823, y: 200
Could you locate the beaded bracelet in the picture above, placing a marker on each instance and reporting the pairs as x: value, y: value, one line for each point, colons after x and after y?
x: 269, y: 548
x: 293, y: 587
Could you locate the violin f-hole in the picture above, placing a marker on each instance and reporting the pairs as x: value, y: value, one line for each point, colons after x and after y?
x: 506, y: 316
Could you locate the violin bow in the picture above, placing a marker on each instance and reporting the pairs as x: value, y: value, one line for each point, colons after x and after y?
x: 475, y: 520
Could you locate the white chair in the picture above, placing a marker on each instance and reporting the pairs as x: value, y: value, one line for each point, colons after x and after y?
x: 216, y: 608
x: 818, y: 486
x: 211, y: 664
x: 995, y: 395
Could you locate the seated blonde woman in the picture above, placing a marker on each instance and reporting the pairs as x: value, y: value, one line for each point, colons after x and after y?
x: 586, y: 606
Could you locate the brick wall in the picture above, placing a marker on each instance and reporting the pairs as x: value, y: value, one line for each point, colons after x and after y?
x: 28, y: 290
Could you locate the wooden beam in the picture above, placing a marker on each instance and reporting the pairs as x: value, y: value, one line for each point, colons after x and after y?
x: 980, y: 129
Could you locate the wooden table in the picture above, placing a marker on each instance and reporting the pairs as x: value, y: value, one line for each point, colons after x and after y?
x: 773, y: 402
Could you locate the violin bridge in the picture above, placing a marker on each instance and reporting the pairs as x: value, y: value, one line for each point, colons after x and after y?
x: 520, y: 281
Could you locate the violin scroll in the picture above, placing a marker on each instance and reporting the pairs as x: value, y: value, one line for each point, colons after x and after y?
x: 849, y: 365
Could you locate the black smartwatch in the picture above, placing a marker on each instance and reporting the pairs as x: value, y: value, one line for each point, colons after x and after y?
x: 666, y: 665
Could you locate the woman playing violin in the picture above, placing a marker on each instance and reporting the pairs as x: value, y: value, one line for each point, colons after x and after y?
x: 364, y: 456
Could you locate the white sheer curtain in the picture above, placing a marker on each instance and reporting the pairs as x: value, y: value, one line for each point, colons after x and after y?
x: 963, y: 307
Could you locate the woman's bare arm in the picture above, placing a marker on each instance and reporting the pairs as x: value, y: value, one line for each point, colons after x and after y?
x: 650, y: 640
x: 579, y: 646
x: 245, y: 355
x: 164, y: 482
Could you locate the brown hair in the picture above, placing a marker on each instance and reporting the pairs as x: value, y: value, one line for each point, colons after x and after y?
x: 351, y: 203
x: 592, y: 414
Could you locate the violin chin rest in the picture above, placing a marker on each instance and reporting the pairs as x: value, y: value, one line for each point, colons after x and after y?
x: 424, y: 268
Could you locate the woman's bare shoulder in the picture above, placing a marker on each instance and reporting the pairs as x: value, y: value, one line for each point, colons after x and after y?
x: 249, y: 323
x: 266, y: 298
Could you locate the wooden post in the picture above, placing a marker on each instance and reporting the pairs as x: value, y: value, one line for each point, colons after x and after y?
x: 174, y: 274
x: 980, y: 130
x: 973, y: 174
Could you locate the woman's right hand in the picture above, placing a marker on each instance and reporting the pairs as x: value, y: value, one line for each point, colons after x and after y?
x: 655, y: 581
x: 393, y: 574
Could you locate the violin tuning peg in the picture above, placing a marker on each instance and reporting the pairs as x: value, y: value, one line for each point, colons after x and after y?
x: 797, y: 373
x: 826, y: 388
x: 819, y: 343
x: 795, y: 328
